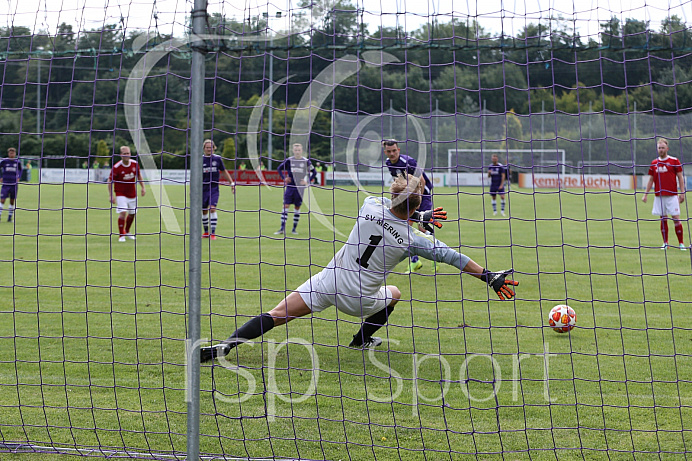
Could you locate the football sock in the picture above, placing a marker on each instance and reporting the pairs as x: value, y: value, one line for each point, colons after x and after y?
x: 664, y: 230
x: 205, y: 222
x: 128, y: 222
x: 502, y: 205
x: 284, y: 218
x: 494, y: 202
x: 296, y: 218
x: 121, y: 225
x: 2, y: 205
x: 678, y: 231
x: 10, y: 212
x: 371, y: 325
x: 213, y: 219
x: 253, y: 328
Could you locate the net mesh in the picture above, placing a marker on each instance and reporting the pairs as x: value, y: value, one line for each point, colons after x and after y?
x: 92, y: 329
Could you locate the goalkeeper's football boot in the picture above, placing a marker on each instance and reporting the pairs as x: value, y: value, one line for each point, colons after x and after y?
x: 369, y: 343
x: 664, y: 246
x: 683, y: 247
x: 414, y: 266
x: 209, y: 353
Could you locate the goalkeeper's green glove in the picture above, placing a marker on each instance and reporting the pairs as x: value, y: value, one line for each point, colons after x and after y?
x: 429, y: 218
x: 498, y: 282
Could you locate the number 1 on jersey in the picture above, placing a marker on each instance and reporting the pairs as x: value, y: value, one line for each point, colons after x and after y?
x: 374, y: 241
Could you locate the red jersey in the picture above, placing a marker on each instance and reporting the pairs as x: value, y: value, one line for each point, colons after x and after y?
x: 664, y: 171
x: 124, y: 178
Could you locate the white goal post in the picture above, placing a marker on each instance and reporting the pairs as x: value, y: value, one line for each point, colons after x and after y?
x: 453, y: 155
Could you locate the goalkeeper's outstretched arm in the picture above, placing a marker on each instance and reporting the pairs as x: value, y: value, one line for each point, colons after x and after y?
x: 428, y: 247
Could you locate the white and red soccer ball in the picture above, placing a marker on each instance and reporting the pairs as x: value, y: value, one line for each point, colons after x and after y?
x: 562, y: 318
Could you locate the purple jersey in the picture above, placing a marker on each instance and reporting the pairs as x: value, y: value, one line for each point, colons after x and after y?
x: 11, y: 169
x: 496, y: 172
x: 407, y: 164
x: 212, y: 167
x: 297, y: 169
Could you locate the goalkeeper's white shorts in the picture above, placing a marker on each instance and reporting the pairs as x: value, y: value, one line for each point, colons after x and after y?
x: 666, y: 205
x: 329, y: 289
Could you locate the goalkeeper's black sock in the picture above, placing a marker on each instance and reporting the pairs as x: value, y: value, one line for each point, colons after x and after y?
x: 253, y: 328
x: 371, y: 325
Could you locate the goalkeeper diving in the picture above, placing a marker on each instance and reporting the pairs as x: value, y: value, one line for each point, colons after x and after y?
x: 355, y: 279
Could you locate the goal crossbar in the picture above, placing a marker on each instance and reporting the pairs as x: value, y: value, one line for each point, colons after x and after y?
x: 452, y: 164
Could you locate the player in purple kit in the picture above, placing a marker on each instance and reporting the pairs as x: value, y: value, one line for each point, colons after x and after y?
x: 213, y: 168
x: 10, y: 172
x: 497, y: 173
x: 294, y: 171
x: 398, y: 165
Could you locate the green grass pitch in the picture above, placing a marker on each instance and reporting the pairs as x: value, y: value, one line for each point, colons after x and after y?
x: 92, y: 332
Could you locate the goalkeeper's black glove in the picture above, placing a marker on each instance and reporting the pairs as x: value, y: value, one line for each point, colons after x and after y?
x: 429, y: 218
x: 498, y: 282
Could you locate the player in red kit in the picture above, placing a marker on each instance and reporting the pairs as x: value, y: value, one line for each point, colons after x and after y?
x: 123, y: 181
x: 666, y: 172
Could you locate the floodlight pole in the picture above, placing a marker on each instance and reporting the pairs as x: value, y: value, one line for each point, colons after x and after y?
x: 199, y: 17
x: 270, y: 143
x: 38, y: 92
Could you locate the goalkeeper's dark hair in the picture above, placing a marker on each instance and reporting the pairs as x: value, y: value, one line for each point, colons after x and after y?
x: 407, y: 193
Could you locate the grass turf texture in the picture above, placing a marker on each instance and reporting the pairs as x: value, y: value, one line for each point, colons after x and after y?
x: 92, y: 333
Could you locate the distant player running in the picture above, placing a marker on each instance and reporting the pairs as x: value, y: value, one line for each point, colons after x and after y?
x: 10, y: 172
x: 213, y: 168
x: 294, y: 171
x: 123, y: 181
x: 497, y: 173
x: 666, y: 172
x: 399, y: 164
x: 353, y: 279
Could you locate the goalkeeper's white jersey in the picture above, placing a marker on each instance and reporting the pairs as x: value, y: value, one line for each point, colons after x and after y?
x: 378, y: 242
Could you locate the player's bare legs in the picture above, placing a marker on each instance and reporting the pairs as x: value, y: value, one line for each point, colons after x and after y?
x: 364, y: 338
x: 290, y: 308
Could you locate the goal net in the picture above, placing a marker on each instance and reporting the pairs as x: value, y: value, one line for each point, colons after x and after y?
x: 95, y: 285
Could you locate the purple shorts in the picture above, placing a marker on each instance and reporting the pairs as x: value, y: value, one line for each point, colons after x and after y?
x: 494, y: 192
x: 210, y: 198
x: 9, y: 190
x: 293, y: 196
x: 425, y: 203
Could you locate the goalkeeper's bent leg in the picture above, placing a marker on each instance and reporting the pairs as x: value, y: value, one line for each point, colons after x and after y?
x: 376, y: 320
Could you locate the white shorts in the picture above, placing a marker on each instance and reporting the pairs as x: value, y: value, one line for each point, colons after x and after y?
x: 126, y: 204
x: 666, y: 205
x: 323, y: 290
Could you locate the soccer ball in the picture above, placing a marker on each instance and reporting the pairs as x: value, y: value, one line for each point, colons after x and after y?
x: 562, y: 318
